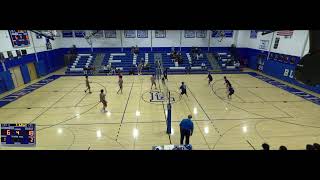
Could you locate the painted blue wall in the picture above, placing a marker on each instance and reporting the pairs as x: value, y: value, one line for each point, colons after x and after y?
x: 148, y: 49
x: 25, y: 73
x: 277, y: 69
x: 49, y: 61
x: 6, y: 82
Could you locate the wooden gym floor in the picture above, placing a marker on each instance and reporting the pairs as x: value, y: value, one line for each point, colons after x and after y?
x: 68, y: 118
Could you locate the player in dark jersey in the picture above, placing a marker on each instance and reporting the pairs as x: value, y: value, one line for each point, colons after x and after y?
x: 120, y: 82
x: 231, y: 91
x: 165, y: 74
x: 153, y: 81
x: 226, y: 82
x: 183, y: 89
x: 228, y: 85
x: 210, y: 79
x: 103, y: 100
x: 163, y: 80
x: 87, y: 85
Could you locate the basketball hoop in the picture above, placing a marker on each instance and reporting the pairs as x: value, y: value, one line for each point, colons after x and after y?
x: 220, y: 35
x: 49, y: 34
x: 54, y: 33
x: 89, y: 40
x: 90, y: 37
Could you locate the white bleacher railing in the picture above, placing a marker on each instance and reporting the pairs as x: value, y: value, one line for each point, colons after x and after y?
x: 84, y: 54
x: 146, y: 58
x: 111, y: 60
x: 118, y: 54
x: 177, y: 68
x: 196, y: 67
x: 134, y: 59
x: 87, y: 58
x: 189, y: 58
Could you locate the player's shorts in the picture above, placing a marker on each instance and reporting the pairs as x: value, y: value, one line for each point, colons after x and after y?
x: 210, y: 80
x: 153, y: 83
x: 120, y: 85
x: 104, y: 103
x: 183, y: 92
x: 231, y: 92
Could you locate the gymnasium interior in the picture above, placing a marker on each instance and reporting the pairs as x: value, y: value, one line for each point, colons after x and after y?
x: 276, y: 101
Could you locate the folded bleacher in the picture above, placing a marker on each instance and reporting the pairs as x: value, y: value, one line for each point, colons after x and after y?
x: 225, y: 62
x: 125, y: 61
x: 187, y: 62
x: 82, y: 61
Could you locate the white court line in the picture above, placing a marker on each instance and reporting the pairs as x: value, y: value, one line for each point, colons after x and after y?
x: 298, y: 92
x: 313, y: 98
x: 304, y: 95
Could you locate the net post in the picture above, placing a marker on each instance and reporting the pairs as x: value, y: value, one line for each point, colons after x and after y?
x: 169, y: 116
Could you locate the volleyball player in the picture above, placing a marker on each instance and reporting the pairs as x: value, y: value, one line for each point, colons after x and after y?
x: 140, y: 66
x: 231, y: 91
x: 165, y: 73
x: 228, y: 86
x: 103, y: 100
x: 163, y: 80
x: 153, y: 81
x: 87, y: 85
x: 226, y: 82
x: 210, y: 79
x: 183, y: 89
x: 120, y: 82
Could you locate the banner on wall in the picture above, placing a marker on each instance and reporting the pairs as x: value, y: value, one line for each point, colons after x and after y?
x: 226, y: 33
x: 58, y: 33
x: 142, y: 33
x: 98, y: 33
x: 130, y: 33
x: 264, y: 44
x: 67, y: 33
x: 276, y: 43
x: 201, y: 33
x: 189, y: 34
x: 160, y: 33
x: 110, y: 33
x: 253, y: 34
x: 260, y: 63
x: 48, y: 44
x: 285, y: 33
x: 38, y: 36
x: 79, y: 34
x: 19, y: 38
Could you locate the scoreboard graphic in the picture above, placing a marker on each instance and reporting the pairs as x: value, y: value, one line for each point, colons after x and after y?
x: 18, y: 134
x: 19, y: 38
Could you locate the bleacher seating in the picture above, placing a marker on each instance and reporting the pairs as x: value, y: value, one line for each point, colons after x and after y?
x: 225, y: 62
x: 187, y: 61
x: 82, y: 61
x: 124, y: 61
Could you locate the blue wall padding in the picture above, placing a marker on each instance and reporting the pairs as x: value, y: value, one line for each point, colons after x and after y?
x: 6, y: 81
x: 25, y: 73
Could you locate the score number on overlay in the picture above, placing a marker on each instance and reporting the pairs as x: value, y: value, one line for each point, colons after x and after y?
x: 18, y: 134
